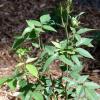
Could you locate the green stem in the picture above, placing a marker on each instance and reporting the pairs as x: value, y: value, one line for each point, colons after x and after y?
x: 39, y: 42
x: 66, y: 28
x: 66, y: 95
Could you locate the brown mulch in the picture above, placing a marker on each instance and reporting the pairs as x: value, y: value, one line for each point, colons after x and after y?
x: 13, y: 14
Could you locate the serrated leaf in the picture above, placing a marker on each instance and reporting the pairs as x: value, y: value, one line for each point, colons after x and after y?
x: 32, y: 70
x: 84, y: 53
x: 45, y: 19
x: 49, y: 28
x: 37, y: 96
x: 49, y: 61
x: 76, y: 60
x: 92, y: 85
x: 84, y: 30
x: 32, y: 23
x: 84, y: 41
x: 66, y: 61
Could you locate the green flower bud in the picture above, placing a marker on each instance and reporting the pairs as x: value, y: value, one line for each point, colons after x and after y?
x: 75, y: 22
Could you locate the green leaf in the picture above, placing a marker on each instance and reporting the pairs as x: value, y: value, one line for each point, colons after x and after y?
x: 50, y: 49
x: 79, y: 90
x: 43, y: 54
x: 59, y: 90
x: 84, y: 41
x: 32, y: 70
x: 74, y: 74
x: 84, y: 30
x: 72, y: 84
x: 98, y: 95
x: 76, y: 60
x: 73, y: 30
x: 37, y: 96
x: 78, y: 37
x: 55, y: 97
x: 27, y: 30
x: 45, y: 19
x: 77, y: 68
x: 18, y: 41
x: 48, y: 82
x: 92, y: 85
x: 90, y: 45
x: 56, y: 44
x: 22, y: 51
x: 82, y: 79
x: 20, y: 64
x: 49, y: 28
x: 22, y: 83
x: 91, y: 94
x: 49, y: 90
x: 36, y: 45
x: 49, y: 61
x: 66, y: 61
x: 38, y: 30
x: 28, y: 95
x: 63, y: 44
x: 39, y: 88
x: 32, y: 23
x: 66, y: 79
x: 33, y: 34
x: 80, y: 14
x: 3, y: 80
x: 12, y: 83
x: 84, y: 53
